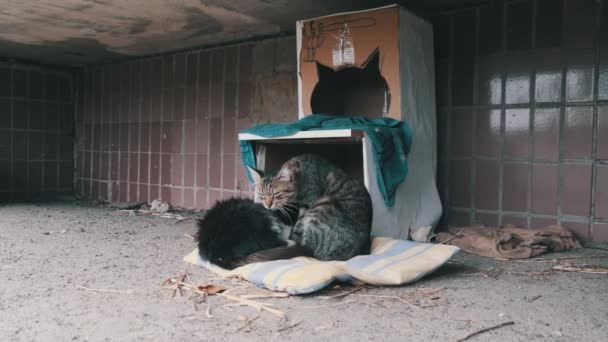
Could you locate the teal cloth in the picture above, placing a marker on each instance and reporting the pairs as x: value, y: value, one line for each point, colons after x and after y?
x: 391, y: 140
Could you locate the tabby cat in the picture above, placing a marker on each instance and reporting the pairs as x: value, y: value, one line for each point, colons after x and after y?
x: 235, y: 228
x: 335, y: 210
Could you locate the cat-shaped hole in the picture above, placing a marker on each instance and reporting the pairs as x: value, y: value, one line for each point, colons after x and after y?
x: 352, y: 91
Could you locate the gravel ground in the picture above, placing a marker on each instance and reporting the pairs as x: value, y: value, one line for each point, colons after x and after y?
x: 49, y: 251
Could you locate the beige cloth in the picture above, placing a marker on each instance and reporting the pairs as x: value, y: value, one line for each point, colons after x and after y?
x: 509, y: 242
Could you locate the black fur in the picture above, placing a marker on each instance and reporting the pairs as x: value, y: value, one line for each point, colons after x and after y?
x: 279, y: 253
x: 235, y: 228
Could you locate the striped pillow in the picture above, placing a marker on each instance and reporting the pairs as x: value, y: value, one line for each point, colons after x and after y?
x: 396, y: 262
x: 391, y: 262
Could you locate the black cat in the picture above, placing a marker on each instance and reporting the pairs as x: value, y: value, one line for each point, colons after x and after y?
x: 232, y: 231
x: 351, y: 91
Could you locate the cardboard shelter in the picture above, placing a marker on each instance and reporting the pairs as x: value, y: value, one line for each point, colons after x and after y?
x: 371, y: 63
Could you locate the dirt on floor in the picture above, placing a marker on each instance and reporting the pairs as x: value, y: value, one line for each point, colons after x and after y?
x: 79, y: 273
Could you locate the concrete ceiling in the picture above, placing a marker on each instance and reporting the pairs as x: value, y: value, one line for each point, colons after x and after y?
x: 78, y: 32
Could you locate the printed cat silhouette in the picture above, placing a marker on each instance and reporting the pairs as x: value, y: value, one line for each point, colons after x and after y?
x: 351, y: 91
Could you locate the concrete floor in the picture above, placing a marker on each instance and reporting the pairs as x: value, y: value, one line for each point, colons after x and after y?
x: 48, y: 251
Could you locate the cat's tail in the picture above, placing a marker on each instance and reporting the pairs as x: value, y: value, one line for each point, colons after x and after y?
x: 279, y: 253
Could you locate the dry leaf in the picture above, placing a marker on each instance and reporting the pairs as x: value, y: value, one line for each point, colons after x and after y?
x: 211, y: 289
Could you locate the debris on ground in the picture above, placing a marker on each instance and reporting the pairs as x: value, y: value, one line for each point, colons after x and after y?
x: 491, y: 272
x: 156, y: 208
x: 557, y: 260
x: 104, y: 290
x: 160, y: 207
x: 581, y: 268
x: 343, y: 294
x: 246, y: 322
x: 63, y: 231
x: 289, y: 327
x: 44, y: 280
x: 559, y: 267
x: 531, y: 299
x: 128, y: 205
x: 419, y: 298
x: 494, y: 327
x: 199, y: 293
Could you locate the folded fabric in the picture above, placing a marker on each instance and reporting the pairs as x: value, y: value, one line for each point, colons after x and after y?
x: 391, y: 140
x: 391, y: 262
x: 509, y: 242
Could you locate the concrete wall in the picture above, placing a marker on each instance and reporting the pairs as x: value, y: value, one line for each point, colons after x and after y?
x: 36, y: 120
x: 166, y: 127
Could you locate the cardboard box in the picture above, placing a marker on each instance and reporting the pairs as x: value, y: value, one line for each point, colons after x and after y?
x: 371, y: 63
x: 360, y: 53
x: 404, y: 46
x: 355, y: 55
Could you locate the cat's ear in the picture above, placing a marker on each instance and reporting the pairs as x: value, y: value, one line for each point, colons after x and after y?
x: 256, y: 174
x: 323, y: 71
x: 373, y: 61
x: 285, y: 175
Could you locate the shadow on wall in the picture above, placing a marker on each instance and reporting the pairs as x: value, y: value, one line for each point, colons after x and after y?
x: 36, y: 127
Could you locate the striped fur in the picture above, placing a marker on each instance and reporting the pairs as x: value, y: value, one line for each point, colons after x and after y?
x: 335, y: 210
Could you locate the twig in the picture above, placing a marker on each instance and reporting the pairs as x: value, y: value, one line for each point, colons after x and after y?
x: 344, y: 294
x: 254, y: 304
x: 261, y: 296
x: 486, y: 273
x: 388, y: 297
x: 533, y: 298
x: 242, y: 304
x: 190, y: 236
x: 455, y: 262
x: 325, y: 306
x: 289, y: 326
x: 534, y: 273
x: 581, y: 269
x: 456, y: 235
x: 237, y: 288
x: 104, y: 290
x: 486, y: 330
x: 247, y: 323
x: 257, y: 305
x: 498, y: 272
x: 590, y: 256
x: 174, y: 283
x: 208, y: 311
x: 432, y: 293
x: 194, y: 307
